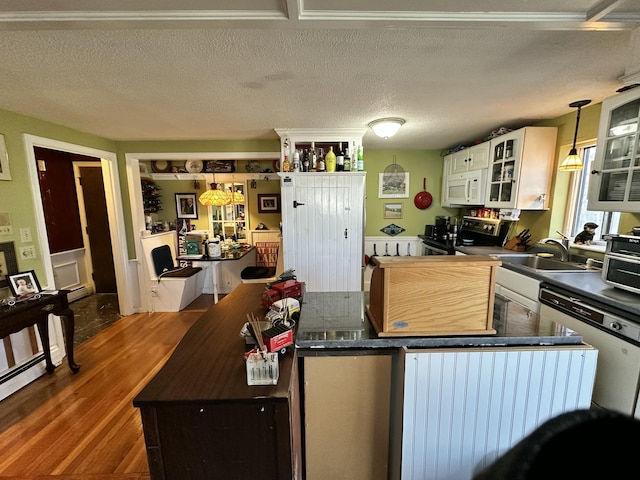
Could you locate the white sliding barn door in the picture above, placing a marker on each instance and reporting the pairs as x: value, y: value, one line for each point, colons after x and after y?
x: 323, y: 223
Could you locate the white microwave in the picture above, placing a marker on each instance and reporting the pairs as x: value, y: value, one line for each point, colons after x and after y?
x: 466, y: 188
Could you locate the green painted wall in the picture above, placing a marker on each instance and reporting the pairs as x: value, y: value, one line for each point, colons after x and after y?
x: 16, y: 198
x: 15, y: 195
x: 420, y: 164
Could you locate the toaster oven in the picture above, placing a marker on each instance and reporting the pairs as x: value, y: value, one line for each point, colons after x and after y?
x: 621, y: 266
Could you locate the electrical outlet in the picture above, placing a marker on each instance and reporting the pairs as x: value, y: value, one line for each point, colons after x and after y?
x: 28, y: 252
x: 25, y: 235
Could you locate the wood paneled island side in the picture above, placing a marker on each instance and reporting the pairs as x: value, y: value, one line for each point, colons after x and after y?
x: 202, y: 421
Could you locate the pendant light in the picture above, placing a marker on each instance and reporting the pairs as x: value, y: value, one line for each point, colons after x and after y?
x: 573, y: 160
x: 214, y: 197
x: 386, y: 127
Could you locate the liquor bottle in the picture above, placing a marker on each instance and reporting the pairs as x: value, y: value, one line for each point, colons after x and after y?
x: 347, y: 160
x: 330, y: 160
x: 320, y: 165
x: 305, y: 161
x: 360, y: 159
x: 340, y: 159
x: 296, y: 161
x: 313, y: 158
x: 286, y: 166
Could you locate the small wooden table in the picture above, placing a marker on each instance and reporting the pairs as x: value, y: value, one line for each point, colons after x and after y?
x: 35, y: 311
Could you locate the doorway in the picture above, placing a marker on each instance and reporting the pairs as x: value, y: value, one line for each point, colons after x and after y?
x: 77, y: 222
x: 125, y: 273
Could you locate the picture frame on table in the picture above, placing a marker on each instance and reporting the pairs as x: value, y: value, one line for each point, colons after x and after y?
x: 24, y: 283
x: 5, y: 174
x: 395, y: 186
x: 8, y: 262
x: 186, y: 206
x: 393, y: 210
x: 269, y: 203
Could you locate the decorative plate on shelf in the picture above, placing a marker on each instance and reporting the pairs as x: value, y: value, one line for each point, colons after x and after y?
x: 252, y: 166
x: 193, y: 166
x: 161, y: 166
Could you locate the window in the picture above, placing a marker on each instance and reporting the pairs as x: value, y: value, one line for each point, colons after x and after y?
x: 578, y: 214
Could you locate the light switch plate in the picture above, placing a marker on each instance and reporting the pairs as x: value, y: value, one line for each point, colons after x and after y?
x: 28, y: 252
x: 25, y: 235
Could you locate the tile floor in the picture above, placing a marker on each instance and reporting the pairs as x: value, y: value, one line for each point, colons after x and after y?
x: 93, y: 314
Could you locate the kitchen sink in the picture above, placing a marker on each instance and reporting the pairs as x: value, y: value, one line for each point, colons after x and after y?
x: 543, y: 264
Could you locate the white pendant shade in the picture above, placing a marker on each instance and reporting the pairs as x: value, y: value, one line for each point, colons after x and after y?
x: 386, y: 127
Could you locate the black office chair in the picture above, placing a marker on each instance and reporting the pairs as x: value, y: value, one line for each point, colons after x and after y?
x: 164, y: 266
x: 580, y: 444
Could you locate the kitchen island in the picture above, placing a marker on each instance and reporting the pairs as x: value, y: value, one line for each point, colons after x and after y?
x: 202, y: 421
x: 413, y: 407
x: 427, y: 407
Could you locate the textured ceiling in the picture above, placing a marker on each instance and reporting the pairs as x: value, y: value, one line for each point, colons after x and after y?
x: 144, y: 70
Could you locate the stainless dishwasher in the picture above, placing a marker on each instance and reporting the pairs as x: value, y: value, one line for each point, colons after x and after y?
x: 612, y: 333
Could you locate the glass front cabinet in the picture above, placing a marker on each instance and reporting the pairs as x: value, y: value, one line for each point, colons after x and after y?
x: 615, y: 179
x: 520, y: 169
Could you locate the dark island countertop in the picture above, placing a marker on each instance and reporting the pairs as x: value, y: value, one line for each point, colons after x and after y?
x: 337, y: 320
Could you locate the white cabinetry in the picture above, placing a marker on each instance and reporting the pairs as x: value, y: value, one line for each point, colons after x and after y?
x: 472, y: 158
x: 615, y: 178
x: 520, y: 169
x: 323, y: 229
x: 462, y: 408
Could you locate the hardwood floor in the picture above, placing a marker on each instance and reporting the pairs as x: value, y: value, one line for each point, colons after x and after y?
x: 84, y: 426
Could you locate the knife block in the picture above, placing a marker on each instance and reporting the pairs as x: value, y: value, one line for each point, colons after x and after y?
x: 513, y: 244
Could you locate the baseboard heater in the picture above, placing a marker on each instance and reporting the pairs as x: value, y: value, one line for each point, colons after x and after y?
x: 25, y: 366
x: 78, y: 293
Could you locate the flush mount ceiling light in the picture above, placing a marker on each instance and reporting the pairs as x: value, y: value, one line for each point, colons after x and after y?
x: 573, y: 161
x: 386, y: 127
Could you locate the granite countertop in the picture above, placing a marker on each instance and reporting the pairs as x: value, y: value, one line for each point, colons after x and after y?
x: 587, y: 283
x: 337, y: 320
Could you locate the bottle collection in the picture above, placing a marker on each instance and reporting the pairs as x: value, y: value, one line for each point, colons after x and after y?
x: 315, y: 159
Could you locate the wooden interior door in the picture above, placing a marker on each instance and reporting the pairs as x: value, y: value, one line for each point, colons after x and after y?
x: 98, y: 231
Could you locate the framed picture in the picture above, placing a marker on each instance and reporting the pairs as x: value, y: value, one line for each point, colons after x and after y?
x: 24, y: 283
x: 392, y: 210
x: 8, y: 264
x: 186, y: 206
x: 4, y: 161
x: 397, y: 186
x: 269, y: 203
x: 224, y: 166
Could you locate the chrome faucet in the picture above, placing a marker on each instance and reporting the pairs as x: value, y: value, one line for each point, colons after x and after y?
x: 564, y: 249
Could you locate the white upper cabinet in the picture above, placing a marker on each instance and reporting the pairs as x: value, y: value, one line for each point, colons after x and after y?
x: 520, y: 169
x: 615, y: 177
x: 469, y: 159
